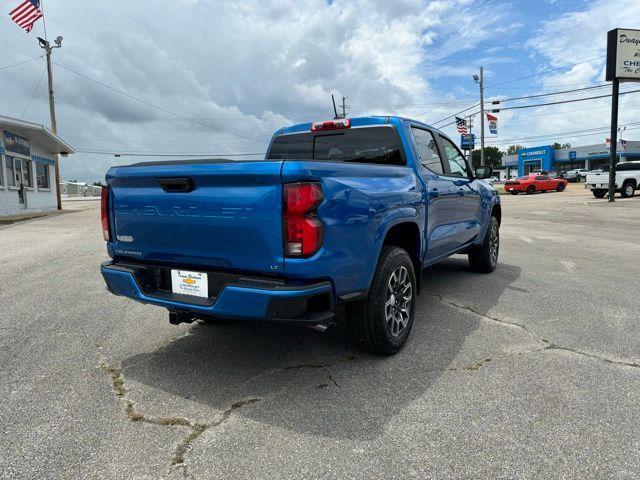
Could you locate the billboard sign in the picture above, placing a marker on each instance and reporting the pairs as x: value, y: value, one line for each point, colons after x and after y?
x: 467, y: 141
x: 572, y: 155
x: 623, y: 55
x: 16, y: 144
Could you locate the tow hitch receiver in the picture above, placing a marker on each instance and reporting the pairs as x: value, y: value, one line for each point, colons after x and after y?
x: 176, y: 318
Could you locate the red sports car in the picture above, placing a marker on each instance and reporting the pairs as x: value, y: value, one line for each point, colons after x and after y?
x: 533, y: 183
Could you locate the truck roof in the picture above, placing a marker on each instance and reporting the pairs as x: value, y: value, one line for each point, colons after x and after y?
x: 356, y: 122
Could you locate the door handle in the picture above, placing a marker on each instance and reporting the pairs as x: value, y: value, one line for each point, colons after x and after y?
x: 434, y: 192
x: 177, y: 184
x: 461, y: 192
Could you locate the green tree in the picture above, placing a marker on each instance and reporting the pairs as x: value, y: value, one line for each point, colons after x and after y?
x: 492, y: 156
x: 513, y: 149
x: 97, y: 184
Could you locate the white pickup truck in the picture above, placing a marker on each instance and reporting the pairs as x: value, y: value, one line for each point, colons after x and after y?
x: 627, y: 180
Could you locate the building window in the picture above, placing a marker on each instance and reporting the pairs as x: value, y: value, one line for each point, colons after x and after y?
x: 11, y: 178
x: 1, y: 170
x: 42, y: 175
x: 19, y: 171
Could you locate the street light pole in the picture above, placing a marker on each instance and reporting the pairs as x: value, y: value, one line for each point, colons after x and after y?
x: 44, y: 44
x: 480, y: 80
x: 481, y: 116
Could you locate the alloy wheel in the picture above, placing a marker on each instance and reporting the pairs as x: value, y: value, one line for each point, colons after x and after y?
x: 397, y: 308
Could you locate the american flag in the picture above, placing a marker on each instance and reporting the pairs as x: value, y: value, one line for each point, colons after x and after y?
x: 26, y: 14
x: 461, y: 124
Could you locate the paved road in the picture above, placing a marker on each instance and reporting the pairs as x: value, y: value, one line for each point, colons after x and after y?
x: 531, y: 372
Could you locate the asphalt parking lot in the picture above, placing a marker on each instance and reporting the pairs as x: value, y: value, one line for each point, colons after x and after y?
x: 530, y: 372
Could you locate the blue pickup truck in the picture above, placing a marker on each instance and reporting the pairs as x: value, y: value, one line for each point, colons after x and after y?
x: 341, y: 211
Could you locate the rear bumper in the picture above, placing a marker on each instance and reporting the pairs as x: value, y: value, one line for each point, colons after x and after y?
x: 240, y: 298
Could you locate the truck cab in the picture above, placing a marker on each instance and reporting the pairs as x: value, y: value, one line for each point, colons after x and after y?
x: 340, y: 211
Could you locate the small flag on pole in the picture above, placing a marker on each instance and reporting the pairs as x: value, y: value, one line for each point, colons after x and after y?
x: 493, y: 123
x: 26, y: 14
x: 461, y: 124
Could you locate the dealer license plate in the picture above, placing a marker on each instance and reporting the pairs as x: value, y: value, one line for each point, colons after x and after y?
x: 189, y: 283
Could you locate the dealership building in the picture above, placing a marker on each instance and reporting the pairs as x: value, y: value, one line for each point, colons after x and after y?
x: 27, y: 177
x: 546, y: 158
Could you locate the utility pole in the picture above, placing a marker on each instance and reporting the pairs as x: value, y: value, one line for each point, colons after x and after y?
x: 481, y: 82
x: 344, y: 107
x: 470, y: 125
x: 44, y: 44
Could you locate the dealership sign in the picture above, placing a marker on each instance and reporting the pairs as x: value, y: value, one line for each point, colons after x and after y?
x: 16, y: 144
x: 623, y: 55
x: 467, y: 141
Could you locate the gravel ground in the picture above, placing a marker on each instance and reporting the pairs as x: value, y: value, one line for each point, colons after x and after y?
x: 530, y: 372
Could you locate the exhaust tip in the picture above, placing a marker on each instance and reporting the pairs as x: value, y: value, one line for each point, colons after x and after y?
x: 322, y: 327
x: 176, y: 318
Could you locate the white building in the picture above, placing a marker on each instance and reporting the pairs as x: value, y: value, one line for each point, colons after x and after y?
x: 27, y: 178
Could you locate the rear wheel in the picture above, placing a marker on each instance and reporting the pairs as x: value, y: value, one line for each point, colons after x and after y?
x: 514, y: 192
x: 560, y: 187
x: 381, y: 322
x: 599, y: 193
x: 531, y: 189
x: 484, y: 258
x: 628, y: 189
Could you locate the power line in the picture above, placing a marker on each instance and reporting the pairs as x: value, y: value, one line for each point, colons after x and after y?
x: 162, y: 109
x: 545, y: 71
x: 21, y: 63
x: 564, y: 101
x: 455, y: 114
x: 551, y: 94
x: 571, y: 133
x: 35, y: 90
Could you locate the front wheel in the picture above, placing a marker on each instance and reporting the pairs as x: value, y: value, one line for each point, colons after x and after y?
x: 381, y: 322
x: 628, y: 190
x: 560, y: 187
x: 484, y: 258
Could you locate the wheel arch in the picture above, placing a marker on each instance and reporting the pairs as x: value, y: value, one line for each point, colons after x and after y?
x: 406, y: 235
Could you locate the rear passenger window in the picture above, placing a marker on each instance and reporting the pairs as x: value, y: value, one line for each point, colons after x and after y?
x: 457, y: 163
x: 379, y: 144
x: 427, y: 150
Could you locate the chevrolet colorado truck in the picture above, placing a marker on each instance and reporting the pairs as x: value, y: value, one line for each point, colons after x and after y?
x: 341, y: 211
x: 627, y: 180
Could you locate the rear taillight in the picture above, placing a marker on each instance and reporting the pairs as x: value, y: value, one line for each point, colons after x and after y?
x: 301, y: 227
x: 104, y: 214
x: 337, y: 124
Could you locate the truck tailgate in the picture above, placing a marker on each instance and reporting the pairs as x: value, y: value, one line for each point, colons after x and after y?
x: 598, y: 178
x: 218, y: 213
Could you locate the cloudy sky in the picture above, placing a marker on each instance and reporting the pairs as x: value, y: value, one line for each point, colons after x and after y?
x: 218, y: 77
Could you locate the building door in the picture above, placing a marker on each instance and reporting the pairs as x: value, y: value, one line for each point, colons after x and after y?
x: 21, y: 173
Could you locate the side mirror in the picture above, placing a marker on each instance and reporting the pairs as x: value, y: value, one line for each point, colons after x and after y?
x: 484, y: 171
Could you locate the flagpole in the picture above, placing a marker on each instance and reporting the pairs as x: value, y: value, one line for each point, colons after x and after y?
x: 44, y: 23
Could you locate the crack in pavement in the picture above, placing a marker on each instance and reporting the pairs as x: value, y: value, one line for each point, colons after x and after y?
x: 548, y: 345
x: 478, y: 365
x: 197, y: 428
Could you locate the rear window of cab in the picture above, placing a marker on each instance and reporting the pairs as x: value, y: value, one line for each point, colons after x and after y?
x: 378, y: 145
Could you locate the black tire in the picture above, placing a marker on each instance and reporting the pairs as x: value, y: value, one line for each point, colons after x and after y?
x: 627, y: 190
x: 531, y: 189
x: 599, y: 193
x: 367, y: 319
x: 514, y: 192
x: 560, y: 187
x: 484, y: 258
